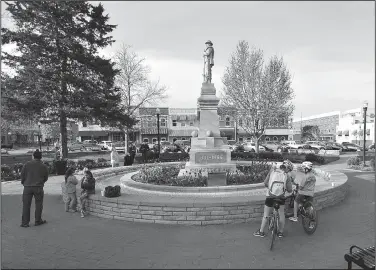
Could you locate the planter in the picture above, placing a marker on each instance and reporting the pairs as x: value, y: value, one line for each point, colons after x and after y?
x: 61, y: 166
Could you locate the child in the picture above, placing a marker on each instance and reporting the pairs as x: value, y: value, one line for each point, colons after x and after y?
x: 305, y: 178
x: 70, y: 184
x: 87, y: 187
x: 278, y: 181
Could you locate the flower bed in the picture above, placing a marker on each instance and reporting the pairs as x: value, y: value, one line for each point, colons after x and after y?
x: 168, y: 175
x: 13, y: 172
x: 253, y: 174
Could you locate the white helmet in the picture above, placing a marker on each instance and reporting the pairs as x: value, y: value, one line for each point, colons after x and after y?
x: 307, y: 165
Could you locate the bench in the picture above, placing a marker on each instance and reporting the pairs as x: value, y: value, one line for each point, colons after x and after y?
x: 363, y: 257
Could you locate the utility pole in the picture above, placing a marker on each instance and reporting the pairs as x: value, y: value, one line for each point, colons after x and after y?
x: 301, y: 126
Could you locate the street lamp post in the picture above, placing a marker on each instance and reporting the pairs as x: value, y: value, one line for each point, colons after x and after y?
x: 159, y: 140
x: 365, y: 105
x: 39, y: 139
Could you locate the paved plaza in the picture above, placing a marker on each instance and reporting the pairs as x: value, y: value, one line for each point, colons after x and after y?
x: 68, y: 241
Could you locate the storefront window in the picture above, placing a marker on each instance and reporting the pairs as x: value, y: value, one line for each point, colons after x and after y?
x: 163, y: 122
x: 146, y: 140
x: 174, y: 123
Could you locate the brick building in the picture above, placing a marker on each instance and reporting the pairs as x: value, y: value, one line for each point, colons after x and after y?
x: 326, y: 122
x: 182, y: 122
x: 148, y: 124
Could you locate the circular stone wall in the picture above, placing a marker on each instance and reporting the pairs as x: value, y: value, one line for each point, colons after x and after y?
x: 197, y: 206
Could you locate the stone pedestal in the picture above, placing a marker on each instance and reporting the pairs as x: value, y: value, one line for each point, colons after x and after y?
x: 207, y: 152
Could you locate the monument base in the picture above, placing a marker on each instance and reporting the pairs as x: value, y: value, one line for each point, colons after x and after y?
x: 210, y: 168
x: 217, y: 179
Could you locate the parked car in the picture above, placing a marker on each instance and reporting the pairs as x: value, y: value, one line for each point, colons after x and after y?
x: 105, y: 145
x: 74, y: 146
x: 317, y: 145
x: 371, y: 147
x: 295, y: 145
x: 352, y: 147
x: 4, y: 151
x: 251, y: 147
x: 267, y: 149
x: 91, y: 145
x: 7, y: 146
x: 272, y: 145
x: 333, y: 146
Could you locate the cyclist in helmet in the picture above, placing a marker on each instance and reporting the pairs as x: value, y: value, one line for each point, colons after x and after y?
x: 307, y: 183
x: 278, y: 181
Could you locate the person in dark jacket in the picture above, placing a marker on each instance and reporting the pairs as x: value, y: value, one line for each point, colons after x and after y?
x: 87, y: 188
x: 132, y: 151
x: 144, y: 149
x: 128, y: 160
x: 33, y: 176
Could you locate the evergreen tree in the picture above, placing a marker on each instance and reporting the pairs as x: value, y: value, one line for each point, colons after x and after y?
x: 58, y: 72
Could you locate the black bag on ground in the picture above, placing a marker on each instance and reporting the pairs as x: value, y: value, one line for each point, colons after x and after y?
x: 112, y: 192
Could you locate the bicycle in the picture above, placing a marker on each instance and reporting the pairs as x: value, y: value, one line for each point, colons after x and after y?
x: 274, y: 221
x: 307, y: 211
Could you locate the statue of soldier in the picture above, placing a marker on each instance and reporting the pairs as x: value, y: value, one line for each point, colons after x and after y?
x: 208, y: 61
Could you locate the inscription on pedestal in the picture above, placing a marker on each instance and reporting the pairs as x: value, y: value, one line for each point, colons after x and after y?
x: 210, y: 157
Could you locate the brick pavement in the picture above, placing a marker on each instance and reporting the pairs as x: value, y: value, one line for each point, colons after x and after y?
x: 68, y: 241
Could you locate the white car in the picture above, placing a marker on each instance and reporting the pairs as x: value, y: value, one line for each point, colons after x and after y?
x: 105, y: 145
x: 251, y: 147
x: 294, y: 144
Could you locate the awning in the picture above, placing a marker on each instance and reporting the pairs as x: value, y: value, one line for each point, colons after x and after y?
x: 181, y: 132
x: 339, y: 132
x: 153, y: 131
x: 346, y: 132
x: 174, y: 117
x: 94, y: 133
x: 368, y: 131
x: 182, y: 117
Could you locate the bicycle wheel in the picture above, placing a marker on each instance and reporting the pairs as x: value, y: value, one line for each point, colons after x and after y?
x: 273, y: 231
x: 309, y: 218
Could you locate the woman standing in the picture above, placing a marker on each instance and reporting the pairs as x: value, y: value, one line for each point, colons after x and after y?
x: 114, y: 157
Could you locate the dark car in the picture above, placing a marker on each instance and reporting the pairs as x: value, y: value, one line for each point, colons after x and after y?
x: 238, y: 148
x: 74, y: 146
x: 352, y: 147
x: 267, y: 149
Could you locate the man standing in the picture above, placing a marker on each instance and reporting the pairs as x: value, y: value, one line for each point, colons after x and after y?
x: 208, y: 61
x: 33, y: 176
x: 144, y: 149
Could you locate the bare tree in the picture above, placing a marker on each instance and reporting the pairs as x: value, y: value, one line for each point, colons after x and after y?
x: 261, y: 93
x: 137, y: 89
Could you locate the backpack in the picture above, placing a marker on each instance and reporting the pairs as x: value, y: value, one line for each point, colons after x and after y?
x: 277, y: 183
x: 112, y: 192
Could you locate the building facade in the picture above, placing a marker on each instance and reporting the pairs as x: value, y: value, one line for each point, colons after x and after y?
x: 148, y: 124
x: 182, y: 122
x: 326, y: 122
x: 350, y: 127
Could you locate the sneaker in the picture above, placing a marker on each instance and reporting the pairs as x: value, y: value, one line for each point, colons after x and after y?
x: 280, y: 234
x: 82, y: 214
x: 294, y: 219
x: 258, y: 233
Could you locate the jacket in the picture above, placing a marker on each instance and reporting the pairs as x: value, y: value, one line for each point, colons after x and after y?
x: 34, y: 174
x: 71, y: 183
x: 288, y: 181
x: 88, y: 185
x: 306, y: 182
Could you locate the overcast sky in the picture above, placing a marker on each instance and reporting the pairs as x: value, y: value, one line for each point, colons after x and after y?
x: 328, y: 46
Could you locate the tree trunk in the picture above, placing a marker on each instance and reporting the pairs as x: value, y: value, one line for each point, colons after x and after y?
x: 257, y: 144
x: 63, y: 134
x: 126, y: 135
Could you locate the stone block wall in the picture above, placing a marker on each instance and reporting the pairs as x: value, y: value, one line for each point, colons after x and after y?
x: 196, y: 214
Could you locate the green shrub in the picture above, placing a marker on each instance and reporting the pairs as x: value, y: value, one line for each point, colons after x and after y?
x: 191, y: 179
x: 271, y: 156
x: 6, y: 171
x: 18, y: 167
x: 314, y: 158
x: 353, y: 161
x: 90, y: 163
